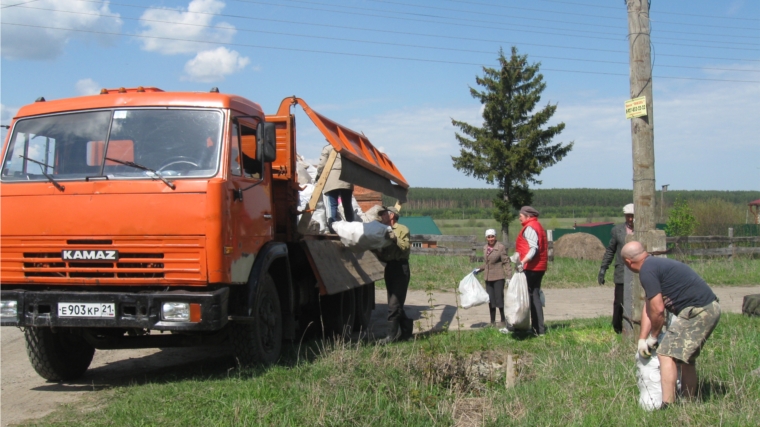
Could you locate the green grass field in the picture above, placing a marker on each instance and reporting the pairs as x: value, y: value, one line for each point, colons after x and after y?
x: 477, y: 227
x: 579, y: 374
x: 443, y: 273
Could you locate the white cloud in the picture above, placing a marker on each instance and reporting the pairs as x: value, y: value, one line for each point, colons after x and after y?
x: 179, y: 31
x: 36, y: 37
x: 87, y: 87
x: 213, y: 65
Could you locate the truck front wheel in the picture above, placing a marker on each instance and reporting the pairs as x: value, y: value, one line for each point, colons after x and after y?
x: 59, y: 355
x: 260, y: 341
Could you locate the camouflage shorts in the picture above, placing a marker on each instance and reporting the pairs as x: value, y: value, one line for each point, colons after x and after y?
x: 688, y: 332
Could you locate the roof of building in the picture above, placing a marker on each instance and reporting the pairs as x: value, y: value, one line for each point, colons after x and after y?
x: 755, y: 203
x: 420, y: 224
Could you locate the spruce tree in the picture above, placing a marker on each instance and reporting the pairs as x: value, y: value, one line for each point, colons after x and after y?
x: 514, y: 144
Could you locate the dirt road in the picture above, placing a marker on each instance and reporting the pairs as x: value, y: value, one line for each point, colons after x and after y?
x: 25, y: 395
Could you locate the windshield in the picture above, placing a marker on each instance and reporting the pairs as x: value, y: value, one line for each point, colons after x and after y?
x: 173, y: 142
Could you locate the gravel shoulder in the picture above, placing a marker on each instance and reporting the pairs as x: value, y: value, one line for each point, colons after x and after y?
x: 24, y: 395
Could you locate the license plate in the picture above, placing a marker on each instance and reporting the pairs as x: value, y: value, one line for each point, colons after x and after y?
x: 86, y: 309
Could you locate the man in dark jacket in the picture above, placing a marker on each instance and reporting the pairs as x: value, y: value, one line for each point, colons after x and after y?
x: 613, y: 251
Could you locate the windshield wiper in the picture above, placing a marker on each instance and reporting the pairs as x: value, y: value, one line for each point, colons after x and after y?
x: 47, y: 175
x: 145, y: 168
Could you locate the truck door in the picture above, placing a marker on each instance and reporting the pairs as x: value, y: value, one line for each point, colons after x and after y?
x: 249, y: 182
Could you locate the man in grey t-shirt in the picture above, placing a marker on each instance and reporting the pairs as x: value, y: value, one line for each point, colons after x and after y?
x: 673, y: 286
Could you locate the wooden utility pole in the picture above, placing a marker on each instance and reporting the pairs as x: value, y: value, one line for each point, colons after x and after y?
x: 642, y: 136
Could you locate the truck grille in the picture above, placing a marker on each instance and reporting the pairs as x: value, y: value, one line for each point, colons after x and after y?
x: 166, y: 259
x: 130, y: 265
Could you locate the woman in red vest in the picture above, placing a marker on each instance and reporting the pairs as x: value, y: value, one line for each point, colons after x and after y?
x: 532, y: 249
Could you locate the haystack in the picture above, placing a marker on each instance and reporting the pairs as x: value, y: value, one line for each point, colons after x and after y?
x: 579, y: 246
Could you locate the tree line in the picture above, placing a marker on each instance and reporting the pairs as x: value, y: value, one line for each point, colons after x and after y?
x: 477, y: 203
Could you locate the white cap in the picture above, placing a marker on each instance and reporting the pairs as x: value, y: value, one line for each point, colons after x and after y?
x: 490, y: 232
x: 628, y: 209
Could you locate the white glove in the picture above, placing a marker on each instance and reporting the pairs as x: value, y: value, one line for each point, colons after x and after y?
x: 643, y: 348
x: 391, y: 234
x: 652, y: 342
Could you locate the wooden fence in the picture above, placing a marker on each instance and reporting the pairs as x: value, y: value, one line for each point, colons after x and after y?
x: 458, y: 245
x: 730, y: 245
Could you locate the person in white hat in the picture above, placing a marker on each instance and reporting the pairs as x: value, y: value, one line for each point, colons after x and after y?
x: 613, y: 251
x: 496, y: 259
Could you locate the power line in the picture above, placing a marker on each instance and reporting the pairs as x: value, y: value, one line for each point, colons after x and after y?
x: 408, y: 33
x: 459, y: 24
x: 551, y: 20
x: 616, y: 8
x: 364, y: 55
x: 384, y: 43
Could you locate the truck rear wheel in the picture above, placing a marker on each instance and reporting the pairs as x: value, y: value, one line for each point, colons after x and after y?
x: 260, y: 341
x: 57, y: 356
x: 339, y: 311
x: 365, y: 303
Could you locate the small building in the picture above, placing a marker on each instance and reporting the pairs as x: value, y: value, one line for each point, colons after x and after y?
x: 421, y: 226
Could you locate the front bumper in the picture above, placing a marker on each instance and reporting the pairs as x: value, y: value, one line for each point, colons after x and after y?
x: 132, y: 310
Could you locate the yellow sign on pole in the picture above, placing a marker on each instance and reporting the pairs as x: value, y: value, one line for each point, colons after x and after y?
x: 636, y: 107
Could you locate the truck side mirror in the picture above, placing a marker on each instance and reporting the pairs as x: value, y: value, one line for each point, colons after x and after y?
x: 266, y: 141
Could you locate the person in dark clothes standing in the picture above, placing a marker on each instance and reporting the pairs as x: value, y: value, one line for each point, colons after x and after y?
x: 496, y: 259
x: 533, y: 251
x: 619, y: 233
x: 397, y: 275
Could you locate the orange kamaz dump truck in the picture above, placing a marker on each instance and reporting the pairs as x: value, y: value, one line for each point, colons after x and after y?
x: 140, y: 218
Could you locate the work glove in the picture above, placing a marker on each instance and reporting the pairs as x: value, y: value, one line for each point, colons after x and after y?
x: 391, y: 234
x: 600, y: 278
x: 519, y: 267
x: 643, y: 349
x: 476, y: 271
x: 645, y: 346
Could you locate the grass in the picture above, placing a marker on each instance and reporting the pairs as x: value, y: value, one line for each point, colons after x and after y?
x: 442, y: 273
x: 477, y: 227
x: 579, y: 374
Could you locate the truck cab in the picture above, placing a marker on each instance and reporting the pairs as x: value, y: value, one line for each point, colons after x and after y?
x: 139, y: 210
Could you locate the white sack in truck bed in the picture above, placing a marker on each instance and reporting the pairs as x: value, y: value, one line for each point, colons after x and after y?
x: 362, y: 236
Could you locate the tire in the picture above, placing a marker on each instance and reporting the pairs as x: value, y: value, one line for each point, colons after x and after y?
x: 59, y: 356
x: 365, y: 304
x: 339, y: 312
x: 260, y: 342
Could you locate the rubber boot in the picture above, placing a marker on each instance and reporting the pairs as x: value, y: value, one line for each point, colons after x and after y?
x: 407, y: 329
x: 394, y: 332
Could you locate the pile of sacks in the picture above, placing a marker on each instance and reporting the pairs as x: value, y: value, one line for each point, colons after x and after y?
x: 370, y: 234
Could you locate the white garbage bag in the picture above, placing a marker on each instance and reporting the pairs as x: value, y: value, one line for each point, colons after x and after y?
x: 649, y: 381
x: 362, y: 236
x: 471, y: 292
x: 318, y: 223
x: 517, y: 303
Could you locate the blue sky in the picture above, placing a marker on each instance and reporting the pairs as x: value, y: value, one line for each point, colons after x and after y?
x: 400, y: 70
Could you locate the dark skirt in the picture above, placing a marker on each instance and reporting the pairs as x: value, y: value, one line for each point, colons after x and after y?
x: 495, y: 291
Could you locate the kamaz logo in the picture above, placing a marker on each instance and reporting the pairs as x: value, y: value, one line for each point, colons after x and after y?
x: 90, y: 255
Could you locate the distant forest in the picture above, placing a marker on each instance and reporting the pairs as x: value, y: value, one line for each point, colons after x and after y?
x: 582, y: 203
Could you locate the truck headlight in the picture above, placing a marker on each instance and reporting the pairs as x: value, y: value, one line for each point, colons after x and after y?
x: 9, y: 308
x: 175, y: 311
x: 181, y: 312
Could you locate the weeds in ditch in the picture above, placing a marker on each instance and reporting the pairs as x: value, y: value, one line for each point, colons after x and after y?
x: 580, y: 373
